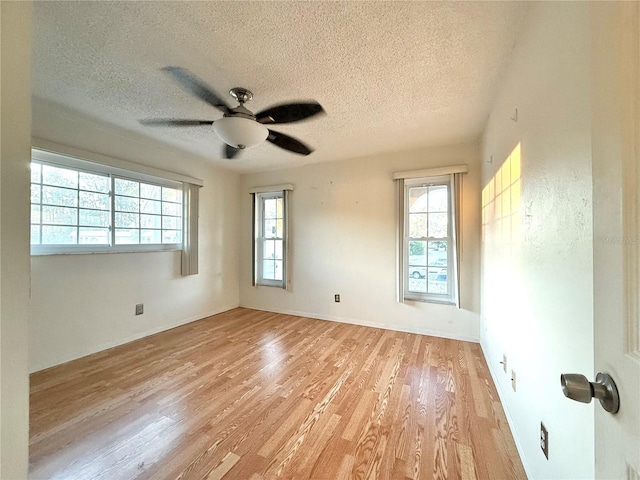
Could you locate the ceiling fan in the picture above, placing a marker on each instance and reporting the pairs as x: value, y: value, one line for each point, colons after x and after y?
x: 240, y: 128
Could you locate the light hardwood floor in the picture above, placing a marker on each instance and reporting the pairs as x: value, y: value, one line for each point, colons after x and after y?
x: 257, y: 395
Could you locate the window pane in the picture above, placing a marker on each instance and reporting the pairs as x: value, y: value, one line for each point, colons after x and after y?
x: 270, y: 208
x: 418, y: 225
x: 268, y: 270
x: 418, y: 248
x: 59, y: 215
x: 35, y: 213
x: 418, y: 199
x: 268, y: 249
x: 35, y: 193
x: 52, y: 235
x: 153, y: 192
x: 60, y: 177
x: 278, y: 270
x: 171, y: 195
x: 95, y: 183
x: 279, y: 205
x: 277, y: 252
x: 60, y: 196
x: 97, y: 201
x: 437, y: 281
x: 94, y: 236
x: 270, y: 229
x: 36, y: 168
x: 437, y: 254
x: 438, y: 225
x: 151, y: 206
x: 127, y: 187
x: 150, y: 236
x: 129, y: 220
x: 438, y: 201
x: 171, y: 223
x: 280, y: 228
x: 417, y: 284
x: 126, y: 204
x: 94, y: 218
x: 171, y: 209
x: 150, y: 221
x: 127, y: 237
x: 35, y: 234
x: 171, y: 236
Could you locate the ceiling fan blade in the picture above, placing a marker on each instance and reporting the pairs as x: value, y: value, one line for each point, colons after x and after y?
x: 174, y: 122
x: 289, y: 112
x: 288, y: 143
x: 230, y: 152
x: 196, y: 87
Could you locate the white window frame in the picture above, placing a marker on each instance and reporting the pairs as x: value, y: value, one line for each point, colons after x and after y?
x: 259, y: 237
x: 450, y: 298
x: 78, y: 164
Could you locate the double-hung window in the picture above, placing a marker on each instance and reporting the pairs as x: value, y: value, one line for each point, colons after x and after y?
x: 270, y: 238
x: 79, y: 206
x: 427, y: 240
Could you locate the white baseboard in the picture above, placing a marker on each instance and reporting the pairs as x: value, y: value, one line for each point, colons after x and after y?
x: 364, y: 323
x: 507, y: 414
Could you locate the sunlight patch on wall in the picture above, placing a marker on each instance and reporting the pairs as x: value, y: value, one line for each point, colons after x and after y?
x: 501, y: 241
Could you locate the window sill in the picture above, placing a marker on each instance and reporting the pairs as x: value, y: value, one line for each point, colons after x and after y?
x: 64, y: 250
x: 443, y: 301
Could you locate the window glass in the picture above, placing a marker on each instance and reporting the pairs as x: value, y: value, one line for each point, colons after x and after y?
x: 72, y: 206
x: 428, y: 240
x: 270, y: 239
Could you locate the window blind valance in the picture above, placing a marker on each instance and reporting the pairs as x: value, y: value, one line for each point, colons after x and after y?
x: 431, y: 172
x: 272, y: 188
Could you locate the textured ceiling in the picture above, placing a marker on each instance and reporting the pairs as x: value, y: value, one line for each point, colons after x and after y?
x: 392, y: 76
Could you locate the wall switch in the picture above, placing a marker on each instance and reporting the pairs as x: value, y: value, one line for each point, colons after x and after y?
x: 337, y: 298
x: 504, y: 363
x: 513, y: 380
x: 139, y: 309
x: 544, y: 440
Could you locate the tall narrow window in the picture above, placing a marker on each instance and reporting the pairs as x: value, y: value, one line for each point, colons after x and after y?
x: 270, y: 238
x: 428, y: 246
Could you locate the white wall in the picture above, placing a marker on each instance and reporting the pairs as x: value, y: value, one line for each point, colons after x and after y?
x: 343, y: 237
x: 537, y: 305
x: 15, y: 153
x: 85, y: 303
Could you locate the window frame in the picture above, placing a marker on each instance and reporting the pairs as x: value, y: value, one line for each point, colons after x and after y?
x: 259, y: 237
x: 72, y: 163
x: 451, y: 298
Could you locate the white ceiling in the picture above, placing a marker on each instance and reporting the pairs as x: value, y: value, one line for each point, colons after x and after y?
x: 392, y: 76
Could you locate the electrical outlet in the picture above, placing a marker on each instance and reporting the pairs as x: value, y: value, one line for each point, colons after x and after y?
x: 139, y: 309
x: 504, y: 363
x: 544, y: 440
x: 337, y: 298
x: 513, y: 380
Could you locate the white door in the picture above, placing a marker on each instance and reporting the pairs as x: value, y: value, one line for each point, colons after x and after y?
x: 616, y: 184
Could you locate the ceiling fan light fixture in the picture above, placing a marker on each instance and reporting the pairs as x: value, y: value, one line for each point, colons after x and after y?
x: 240, y: 132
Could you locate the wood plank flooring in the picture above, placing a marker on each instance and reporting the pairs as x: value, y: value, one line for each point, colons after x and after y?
x: 254, y: 395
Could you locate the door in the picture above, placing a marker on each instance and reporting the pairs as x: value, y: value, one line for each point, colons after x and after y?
x: 616, y: 183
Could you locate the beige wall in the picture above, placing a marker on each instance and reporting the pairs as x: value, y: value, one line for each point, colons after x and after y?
x: 537, y: 280
x: 343, y: 237
x: 15, y: 135
x: 85, y: 303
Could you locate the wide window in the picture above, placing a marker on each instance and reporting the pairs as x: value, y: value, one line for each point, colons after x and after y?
x: 77, y: 206
x: 270, y: 238
x: 428, y: 250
